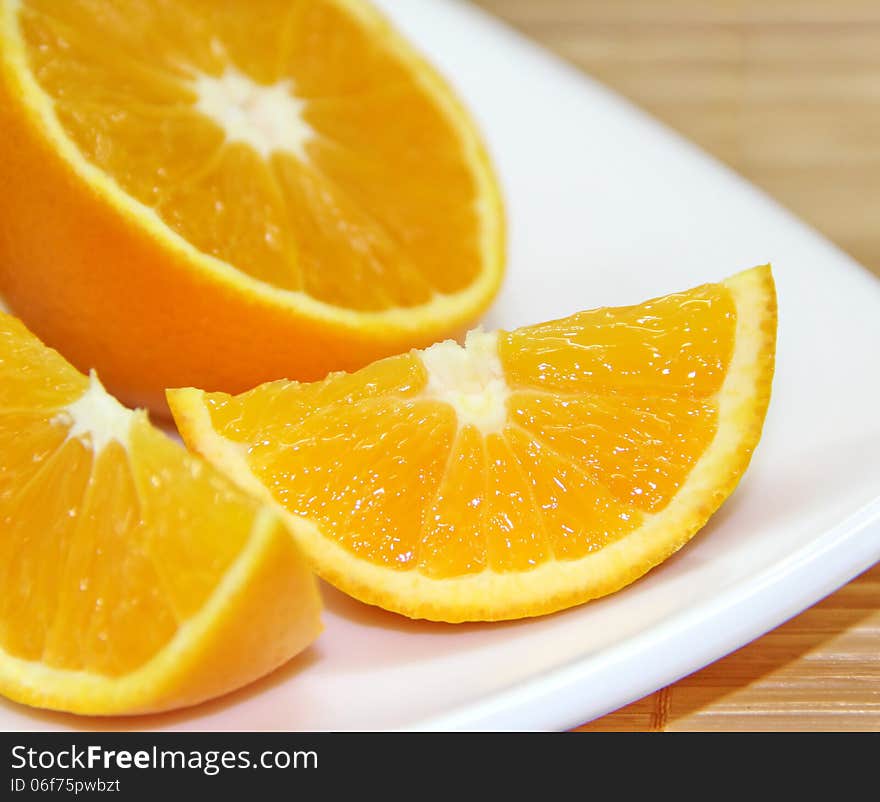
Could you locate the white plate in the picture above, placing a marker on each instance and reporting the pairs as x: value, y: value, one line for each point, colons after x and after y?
x: 608, y: 207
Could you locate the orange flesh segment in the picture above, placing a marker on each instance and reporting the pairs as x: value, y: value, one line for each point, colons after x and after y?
x: 95, y: 571
x: 607, y: 413
x: 379, y: 208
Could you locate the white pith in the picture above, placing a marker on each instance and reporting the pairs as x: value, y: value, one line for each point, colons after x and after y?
x: 96, y: 418
x: 470, y: 379
x: 268, y: 118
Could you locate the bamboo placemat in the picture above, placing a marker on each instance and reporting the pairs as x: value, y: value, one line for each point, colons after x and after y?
x: 787, y: 92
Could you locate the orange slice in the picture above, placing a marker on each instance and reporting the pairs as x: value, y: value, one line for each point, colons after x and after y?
x: 233, y: 192
x: 133, y: 577
x: 523, y: 473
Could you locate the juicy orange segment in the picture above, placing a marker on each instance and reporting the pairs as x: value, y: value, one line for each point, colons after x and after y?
x: 294, y: 155
x: 134, y: 577
x: 521, y: 474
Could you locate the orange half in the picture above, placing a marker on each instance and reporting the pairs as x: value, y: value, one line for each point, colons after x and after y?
x: 224, y: 193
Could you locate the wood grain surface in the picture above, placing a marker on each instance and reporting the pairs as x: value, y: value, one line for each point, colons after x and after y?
x: 787, y: 92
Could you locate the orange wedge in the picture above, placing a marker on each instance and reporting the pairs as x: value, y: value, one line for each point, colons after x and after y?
x: 133, y: 577
x: 523, y: 473
x: 225, y: 193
